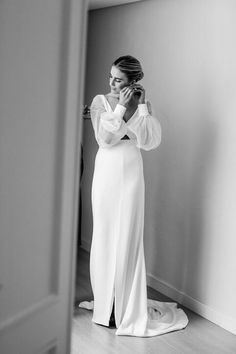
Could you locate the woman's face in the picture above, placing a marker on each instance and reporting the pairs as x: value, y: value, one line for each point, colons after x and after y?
x: 117, y: 80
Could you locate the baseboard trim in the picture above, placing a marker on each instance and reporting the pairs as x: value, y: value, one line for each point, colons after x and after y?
x: 226, y: 322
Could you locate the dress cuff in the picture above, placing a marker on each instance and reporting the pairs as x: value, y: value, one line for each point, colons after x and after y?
x: 143, y: 109
x: 119, y: 110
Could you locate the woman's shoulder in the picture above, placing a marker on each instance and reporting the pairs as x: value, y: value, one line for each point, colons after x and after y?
x: 97, y: 100
x: 98, y: 97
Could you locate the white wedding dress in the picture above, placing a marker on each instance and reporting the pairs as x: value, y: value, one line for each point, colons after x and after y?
x: 117, y: 265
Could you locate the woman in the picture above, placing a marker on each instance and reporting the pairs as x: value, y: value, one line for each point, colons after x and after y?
x: 123, y: 124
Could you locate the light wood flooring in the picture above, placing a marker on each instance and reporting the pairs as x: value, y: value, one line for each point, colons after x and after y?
x: 200, y: 336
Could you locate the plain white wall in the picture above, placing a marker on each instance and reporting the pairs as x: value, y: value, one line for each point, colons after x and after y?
x: 187, y: 49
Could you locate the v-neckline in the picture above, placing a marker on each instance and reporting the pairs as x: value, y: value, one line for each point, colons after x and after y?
x: 112, y: 109
x: 108, y: 102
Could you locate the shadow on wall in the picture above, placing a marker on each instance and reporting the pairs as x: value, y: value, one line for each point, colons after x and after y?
x: 197, y: 245
x: 177, y: 178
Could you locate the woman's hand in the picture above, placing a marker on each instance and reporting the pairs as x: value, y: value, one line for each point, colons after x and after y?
x: 135, y: 91
x: 136, y: 88
x: 125, y: 96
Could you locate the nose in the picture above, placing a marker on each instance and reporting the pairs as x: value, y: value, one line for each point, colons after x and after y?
x: 112, y: 82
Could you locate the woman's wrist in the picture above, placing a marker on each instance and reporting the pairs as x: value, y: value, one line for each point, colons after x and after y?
x: 120, y: 110
x: 122, y: 104
x: 143, y: 109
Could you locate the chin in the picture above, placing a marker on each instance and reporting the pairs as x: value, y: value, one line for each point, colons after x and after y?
x: 115, y: 92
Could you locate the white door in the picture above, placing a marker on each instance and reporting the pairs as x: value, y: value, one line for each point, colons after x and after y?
x: 41, y: 77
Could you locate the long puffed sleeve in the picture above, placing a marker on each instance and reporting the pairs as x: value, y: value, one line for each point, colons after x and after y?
x: 146, y: 128
x: 109, y: 127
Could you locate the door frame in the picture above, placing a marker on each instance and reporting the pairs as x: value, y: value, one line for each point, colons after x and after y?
x: 74, y: 100
x: 46, y: 324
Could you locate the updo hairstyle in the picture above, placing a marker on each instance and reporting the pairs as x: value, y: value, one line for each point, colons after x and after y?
x: 130, y: 66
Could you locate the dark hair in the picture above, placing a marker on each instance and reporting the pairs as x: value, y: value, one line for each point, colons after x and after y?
x: 130, y: 66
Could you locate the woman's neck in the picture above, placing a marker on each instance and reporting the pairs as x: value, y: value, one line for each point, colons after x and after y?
x: 133, y: 102
x: 115, y: 95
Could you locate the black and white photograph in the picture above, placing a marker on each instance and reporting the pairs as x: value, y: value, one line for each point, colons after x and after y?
x: 117, y: 176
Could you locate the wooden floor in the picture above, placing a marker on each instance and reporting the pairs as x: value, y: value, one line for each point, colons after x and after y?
x: 200, y: 336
